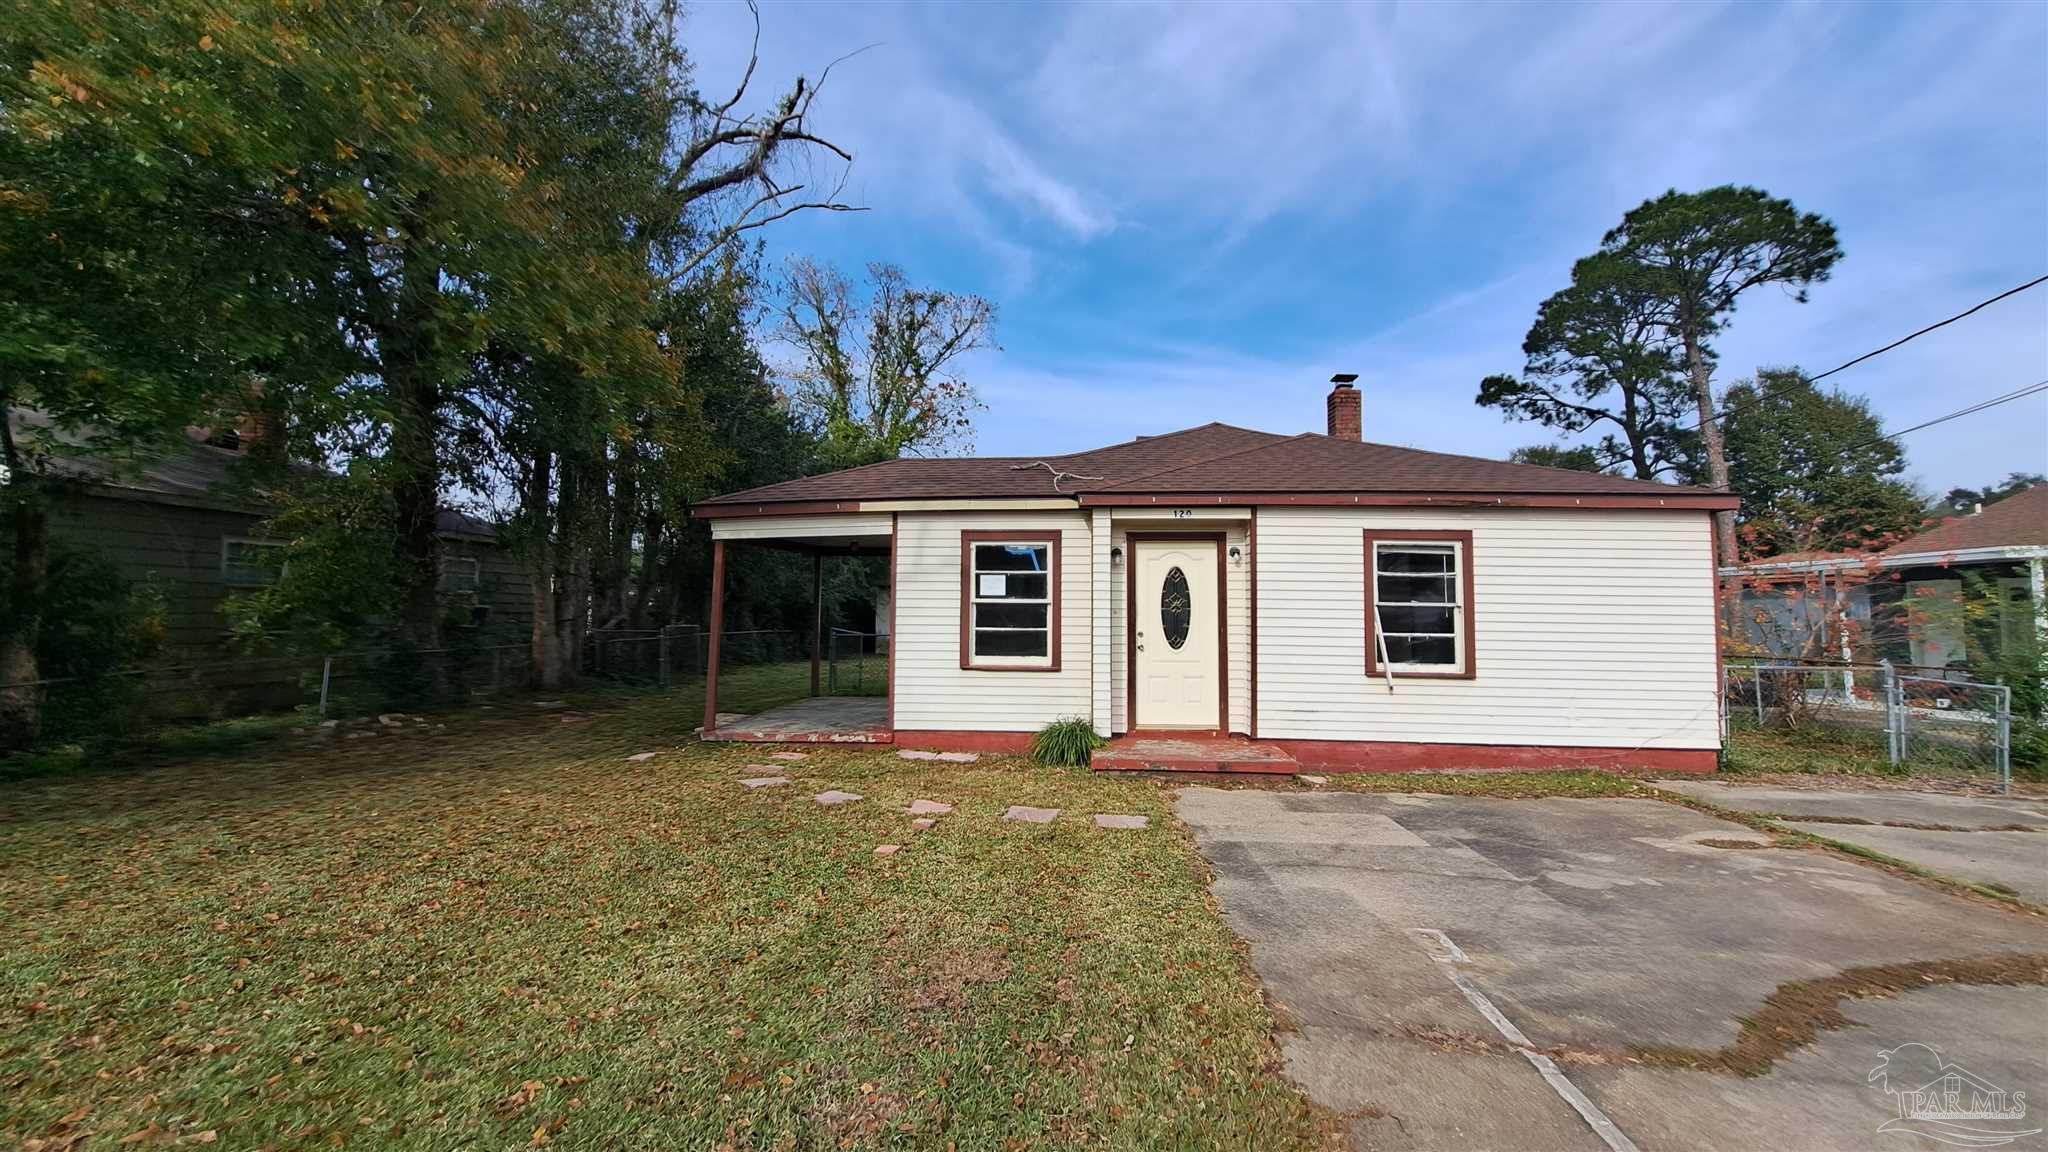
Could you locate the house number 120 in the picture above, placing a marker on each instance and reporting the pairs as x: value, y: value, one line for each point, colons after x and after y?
x: 1183, y: 513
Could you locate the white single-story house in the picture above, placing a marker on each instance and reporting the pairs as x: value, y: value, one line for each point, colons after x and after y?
x: 1250, y: 599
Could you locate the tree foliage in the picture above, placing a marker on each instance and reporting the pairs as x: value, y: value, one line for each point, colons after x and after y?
x: 1814, y: 469
x: 1967, y: 499
x: 1695, y: 255
x: 878, y: 364
x: 1599, y: 356
x: 1577, y: 457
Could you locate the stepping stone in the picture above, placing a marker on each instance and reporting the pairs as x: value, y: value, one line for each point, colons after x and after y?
x: 1313, y: 779
x: 888, y: 849
x: 764, y: 767
x: 765, y: 781
x: 641, y: 757
x: 1030, y: 815
x: 915, y: 754
x: 923, y: 824
x: 789, y: 755
x: 959, y: 757
x: 1107, y: 821
x: 929, y: 808
x: 834, y: 796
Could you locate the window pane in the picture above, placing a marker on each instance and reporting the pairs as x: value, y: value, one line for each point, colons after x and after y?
x: 1415, y: 589
x: 1176, y: 608
x: 1010, y: 557
x: 1009, y: 643
x: 1014, y: 586
x: 1421, y: 650
x: 1394, y: 619
x: 1416, y: 560
x: 999, y: 615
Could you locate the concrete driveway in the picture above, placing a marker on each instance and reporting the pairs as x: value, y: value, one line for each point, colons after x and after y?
x: 1471, y: 973
x: 1995, y: 840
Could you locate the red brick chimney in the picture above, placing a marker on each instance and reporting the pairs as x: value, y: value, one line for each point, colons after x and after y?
x: 1346, y: 408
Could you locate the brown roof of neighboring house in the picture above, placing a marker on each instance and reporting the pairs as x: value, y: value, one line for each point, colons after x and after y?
x: 2018, y: 521
x: 1214, y: 459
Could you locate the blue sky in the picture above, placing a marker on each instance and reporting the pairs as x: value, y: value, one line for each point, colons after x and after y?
x: 1199, y: 213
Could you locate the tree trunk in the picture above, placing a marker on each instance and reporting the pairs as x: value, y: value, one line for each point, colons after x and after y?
x: 1702, y: 372
x: 409, y: 361
x: 544, y: 648
x: 21, y: 714
x: 650, y: 561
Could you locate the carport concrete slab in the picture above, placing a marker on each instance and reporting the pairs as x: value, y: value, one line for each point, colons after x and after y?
x: 1596, y: 926
x: 1877, y: 805
x: 2016, y: 861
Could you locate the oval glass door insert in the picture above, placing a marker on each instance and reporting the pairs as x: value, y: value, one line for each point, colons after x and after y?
x: 1175, y: 607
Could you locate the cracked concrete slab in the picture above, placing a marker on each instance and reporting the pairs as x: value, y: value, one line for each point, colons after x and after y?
x: 1596, y: 926
x: 2014, y: 861
x: 1876, y: 805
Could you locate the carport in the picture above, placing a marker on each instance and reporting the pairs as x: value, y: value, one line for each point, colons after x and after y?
x: 819, y: 532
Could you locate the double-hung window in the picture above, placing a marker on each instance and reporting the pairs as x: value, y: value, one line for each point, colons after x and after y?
x: 250, y: 563
x: 1009, y: 601
x: 1418, y: 603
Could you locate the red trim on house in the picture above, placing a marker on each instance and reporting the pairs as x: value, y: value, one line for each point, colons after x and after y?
x: 1251, y: 545
x: 1419, y: 535
x: 895, y: 547
x: 1675, y: 501
x: 1131, y: 725
x: 789, y: 508
x: 1390, y: 756
x: 1006, y: 743
x: 968, y: 539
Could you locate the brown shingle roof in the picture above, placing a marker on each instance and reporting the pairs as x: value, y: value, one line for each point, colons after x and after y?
x: 1214, y: 459
x: 2019, y: 520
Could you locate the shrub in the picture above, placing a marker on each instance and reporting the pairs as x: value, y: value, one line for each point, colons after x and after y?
x: 1066, y: 743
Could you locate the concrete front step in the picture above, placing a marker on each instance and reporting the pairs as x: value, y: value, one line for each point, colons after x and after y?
x: 1193, y: 754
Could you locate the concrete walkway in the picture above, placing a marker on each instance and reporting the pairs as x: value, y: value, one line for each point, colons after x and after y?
x: 1965, y: 837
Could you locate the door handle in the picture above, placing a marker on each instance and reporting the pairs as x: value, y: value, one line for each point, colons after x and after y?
x: 1141, y: 647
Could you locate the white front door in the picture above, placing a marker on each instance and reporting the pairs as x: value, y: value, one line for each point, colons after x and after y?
x: 1177, y: 657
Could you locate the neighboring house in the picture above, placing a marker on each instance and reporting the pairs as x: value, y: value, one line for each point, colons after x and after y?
x: 1909, y: 603
x: 1347, y: 604
x: 179, y: 524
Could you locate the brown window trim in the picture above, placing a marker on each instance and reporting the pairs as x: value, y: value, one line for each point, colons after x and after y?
x: 1375, y: 536
x: 1048, y: 536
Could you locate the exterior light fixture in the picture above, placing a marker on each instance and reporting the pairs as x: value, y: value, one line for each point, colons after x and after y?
x: 1116, y: 555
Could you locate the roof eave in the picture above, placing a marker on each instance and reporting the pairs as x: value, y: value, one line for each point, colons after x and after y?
x: 1696, y: 501
x: 1935, y: 559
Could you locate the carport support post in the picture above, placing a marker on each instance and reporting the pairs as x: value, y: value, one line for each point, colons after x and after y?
x: 817, y: 614
x: 717, y: 635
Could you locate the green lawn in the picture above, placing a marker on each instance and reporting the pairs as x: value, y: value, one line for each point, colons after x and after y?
x: 501, y: 934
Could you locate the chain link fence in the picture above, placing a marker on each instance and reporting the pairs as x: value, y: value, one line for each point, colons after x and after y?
x: 858, y: 663
x: 1910, y: 719
x: 853, y: 663
x: 342, y: 684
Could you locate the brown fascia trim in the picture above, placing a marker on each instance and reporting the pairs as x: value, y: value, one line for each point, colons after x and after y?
x: 1711, y: 501
x: 789, y: 508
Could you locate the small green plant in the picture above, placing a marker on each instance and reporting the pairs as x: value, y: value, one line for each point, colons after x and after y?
x: 1066, y: 743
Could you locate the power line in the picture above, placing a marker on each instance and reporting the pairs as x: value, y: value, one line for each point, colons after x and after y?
x: 1995, y: 401
x: 1762, y: 394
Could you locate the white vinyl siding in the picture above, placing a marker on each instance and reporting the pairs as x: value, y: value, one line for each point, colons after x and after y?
x: 931, y: 690
x: 1592, y: 629
x: 799, y: 527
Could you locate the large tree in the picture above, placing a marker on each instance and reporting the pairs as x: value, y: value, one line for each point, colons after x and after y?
x: 449, y: 230
x: 1815, y: 470
x: 1576, y: 457
x: 1600, y: 357
x: 1695, y: 255
x: 879, y: 363
x: 139, y: 291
